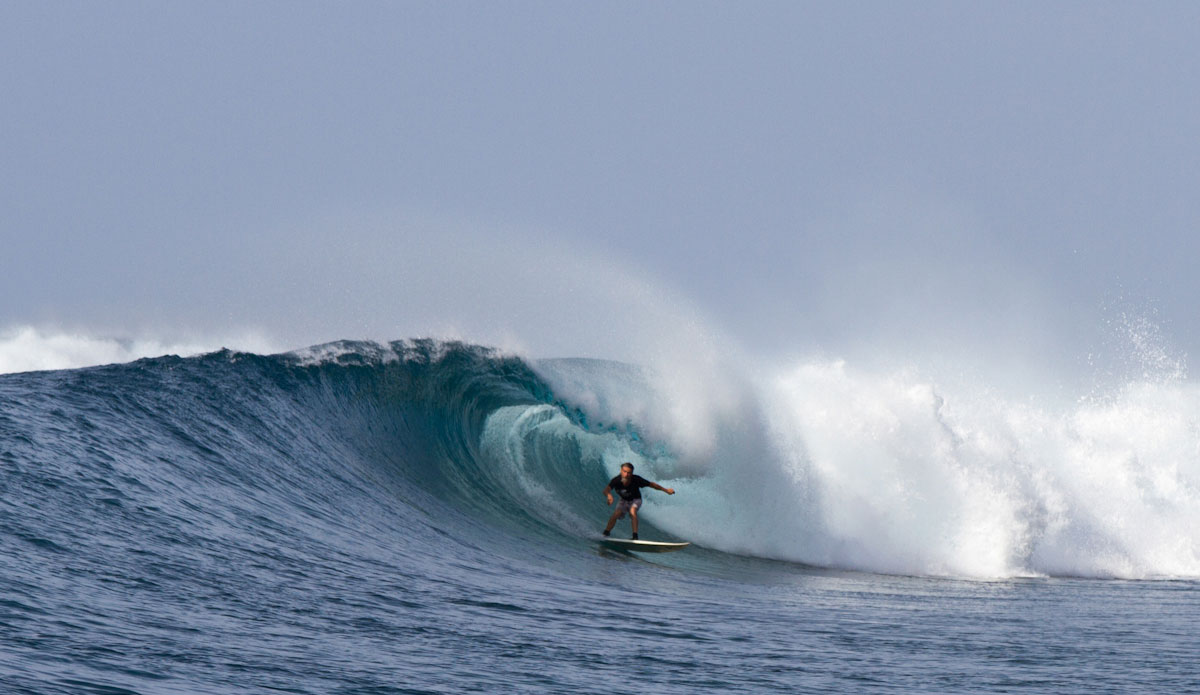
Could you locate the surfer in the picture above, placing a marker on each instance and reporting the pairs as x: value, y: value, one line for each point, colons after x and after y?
x: 629, y: 487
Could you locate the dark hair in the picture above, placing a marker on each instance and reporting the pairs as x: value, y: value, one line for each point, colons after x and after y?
x: 628, y: 464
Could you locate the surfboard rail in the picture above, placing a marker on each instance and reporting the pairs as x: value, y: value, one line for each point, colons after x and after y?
x: 641, y: 546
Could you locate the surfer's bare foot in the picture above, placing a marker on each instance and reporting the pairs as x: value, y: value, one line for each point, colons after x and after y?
x: 635, y: 536
x: 605, y: 532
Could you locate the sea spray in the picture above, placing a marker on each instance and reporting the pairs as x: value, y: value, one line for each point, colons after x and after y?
x: 892, y: 472
x: 26, y: 348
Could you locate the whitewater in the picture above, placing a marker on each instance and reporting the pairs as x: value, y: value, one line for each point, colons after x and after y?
x: 420, y: 517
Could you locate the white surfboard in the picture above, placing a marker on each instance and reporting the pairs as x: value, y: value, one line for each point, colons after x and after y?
x: 641, y: 546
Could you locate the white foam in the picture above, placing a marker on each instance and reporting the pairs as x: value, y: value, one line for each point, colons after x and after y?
x: 901, y: 476
x: 330, y: 352
x: 28, y: 348
x: 894, y: 472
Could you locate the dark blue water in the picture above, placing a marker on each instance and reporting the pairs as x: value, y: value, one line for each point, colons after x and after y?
x: 415, y: 518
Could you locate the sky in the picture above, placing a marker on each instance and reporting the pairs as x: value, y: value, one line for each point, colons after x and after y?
x: 1008, y: 182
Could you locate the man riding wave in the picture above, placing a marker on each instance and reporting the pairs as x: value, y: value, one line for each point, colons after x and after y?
x: 629, y: 488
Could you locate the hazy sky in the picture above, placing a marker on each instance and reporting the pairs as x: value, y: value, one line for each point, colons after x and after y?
x: 1003, y: 177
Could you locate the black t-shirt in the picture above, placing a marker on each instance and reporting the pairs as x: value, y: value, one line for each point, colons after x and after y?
x: 632, y: 489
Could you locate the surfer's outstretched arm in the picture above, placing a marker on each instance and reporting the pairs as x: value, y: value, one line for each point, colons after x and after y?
x: 668, y: 490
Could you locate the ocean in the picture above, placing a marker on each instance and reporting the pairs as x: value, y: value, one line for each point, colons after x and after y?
x: 421, y: 517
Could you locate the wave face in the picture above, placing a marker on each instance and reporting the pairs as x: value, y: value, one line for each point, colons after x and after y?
x: 818, y: 465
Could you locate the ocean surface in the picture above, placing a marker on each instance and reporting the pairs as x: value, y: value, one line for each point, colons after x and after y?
x: 421, y: 517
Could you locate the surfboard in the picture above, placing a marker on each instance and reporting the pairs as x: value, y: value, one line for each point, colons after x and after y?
x: 641, y: 546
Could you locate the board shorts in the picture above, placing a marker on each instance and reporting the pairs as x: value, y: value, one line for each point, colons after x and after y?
x: 626, y: 505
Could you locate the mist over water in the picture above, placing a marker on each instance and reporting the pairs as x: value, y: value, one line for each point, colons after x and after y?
x: 828, y: 462
x: 900, y: 457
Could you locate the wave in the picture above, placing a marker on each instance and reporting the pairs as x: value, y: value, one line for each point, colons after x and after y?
x: 819, y: 464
